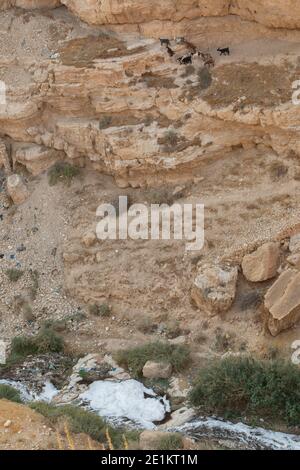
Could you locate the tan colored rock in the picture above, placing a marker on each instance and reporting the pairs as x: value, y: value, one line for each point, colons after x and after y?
x: 151, y: 440
x: 263, y: 263
x: 282, y: 302
x: 37, y: 158
x: 214, y: 288
x: 157, y: 370
x: 89, y: 239
x: 17, y: 189
x: 294, y: 245
x: 294, y: 260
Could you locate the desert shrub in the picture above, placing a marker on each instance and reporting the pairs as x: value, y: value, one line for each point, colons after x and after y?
x: 250, y: 300
x: 134, y: 359
x: 204, y: 78
x: 10, y: 393
x: 223, y: 341
x: 105, y: 122
x: 14, y: 274
x: 170, y: 442
x: 34, y: 274
x: 238, y: 385
x: 45, y: 341
x: 102, y: 310
x: 79, y: 420
x: 62, y: 172
x: 170, y: 138
x: 278, y: 170
x: 145, y: 325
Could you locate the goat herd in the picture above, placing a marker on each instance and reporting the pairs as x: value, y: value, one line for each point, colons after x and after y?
x: 188, y: 58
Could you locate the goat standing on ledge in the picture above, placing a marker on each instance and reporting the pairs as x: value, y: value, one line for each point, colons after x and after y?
x: 224, y: 50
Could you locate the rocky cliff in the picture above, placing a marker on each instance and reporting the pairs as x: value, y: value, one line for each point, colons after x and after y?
x: 118, y: 102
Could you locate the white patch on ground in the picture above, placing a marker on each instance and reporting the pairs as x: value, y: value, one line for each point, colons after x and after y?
x: 47, y: 394
x: 126, y: 399
x: 242, y: 435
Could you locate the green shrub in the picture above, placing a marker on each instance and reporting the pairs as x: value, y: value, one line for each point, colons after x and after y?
x: 102, y: 310
x: 10, y: 393
x: 14, y: 274
x: 79, y: 421
x: 239, y: 385
x: 134, y: 359
x: 170, y: 442
x: 45, y: 341
x: 62, y: 171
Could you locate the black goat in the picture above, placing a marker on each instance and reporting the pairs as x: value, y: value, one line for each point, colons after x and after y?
x: 164, y: 42
x: 186, y: 59
x: 170, y: 52
x: 224, y: 50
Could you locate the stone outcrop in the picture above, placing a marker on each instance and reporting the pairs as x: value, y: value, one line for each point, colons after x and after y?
x: 214, y: 288
x: 17, y: 189
x: 272, y: 13
x: 157, y: 370
x: 282, y: 302
x: 263, y: 263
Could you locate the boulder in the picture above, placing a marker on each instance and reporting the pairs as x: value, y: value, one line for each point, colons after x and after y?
x: 89, y: 239
x: 282, y: 302
x: 214, y: 288
x: 157, y: 370
x: 263, y: 263
x: 17, y: 189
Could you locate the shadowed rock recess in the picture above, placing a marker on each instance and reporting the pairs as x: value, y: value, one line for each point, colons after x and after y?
x: 162, y: 101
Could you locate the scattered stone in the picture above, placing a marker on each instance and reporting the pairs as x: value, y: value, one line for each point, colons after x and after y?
x: 89, y: 239
x: 157, y: 370
x: 179, y: 417
x: 282, y: 302
x: 17, y: 189
x: 262, y: 264
x: 7, y: 423
x: 214, y: 288
x: 294, y: 260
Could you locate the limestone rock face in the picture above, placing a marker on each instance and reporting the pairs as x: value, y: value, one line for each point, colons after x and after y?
x: 282, y: 302
x: 294, y: 245
x: 157, y: 370
x: 17, y: 189
x: 214, y: 288
x: 263, y: 263
x: 273, y: 13
x: 137, y: 11
x: 29, y: 4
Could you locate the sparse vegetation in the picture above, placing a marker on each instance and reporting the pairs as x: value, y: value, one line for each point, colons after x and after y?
x: 79, y: 421
x: 204, y: 78
x: 145, y: 325
x: 45, y: 341
x: 62, y: 172
x: 105, y: 122
x: 102, y: 310
x: 10, y: 393
x: 250, y: 300
x: 34, y: 274
x: 239, y: 385
x: 170, y: 442
x: 14, y: 274
x: 134, y: 359
x: 278, y: 170
x: 224, y: 341
x: 171, y: 138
